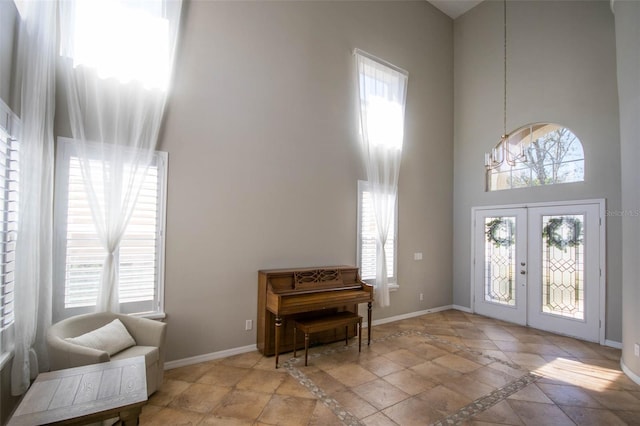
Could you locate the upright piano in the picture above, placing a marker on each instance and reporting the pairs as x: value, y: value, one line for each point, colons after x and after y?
x: 305, y: 293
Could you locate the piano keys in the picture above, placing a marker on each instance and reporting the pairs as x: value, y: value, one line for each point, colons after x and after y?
x: 305, y: 293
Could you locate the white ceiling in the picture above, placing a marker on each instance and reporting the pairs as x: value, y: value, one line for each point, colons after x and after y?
x: 454, y: 8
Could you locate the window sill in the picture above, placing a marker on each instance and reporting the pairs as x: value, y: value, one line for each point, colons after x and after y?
x: 393, y: 287
x: 5, y: 358
x: 151, y: 315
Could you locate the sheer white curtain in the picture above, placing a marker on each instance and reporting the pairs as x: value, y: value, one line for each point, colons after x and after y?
x: 382, y: 89
x: 117, y: 62
x: 36, y: 68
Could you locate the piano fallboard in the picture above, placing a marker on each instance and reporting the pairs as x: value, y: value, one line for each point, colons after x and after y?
x: 293, y: 303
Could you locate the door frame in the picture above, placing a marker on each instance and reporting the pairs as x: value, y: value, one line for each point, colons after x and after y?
x: 601, y: 202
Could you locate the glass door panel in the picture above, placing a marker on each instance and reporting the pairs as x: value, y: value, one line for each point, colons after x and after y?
x: 500, y: 260
x: 563, y: 265
x: 500, y: 255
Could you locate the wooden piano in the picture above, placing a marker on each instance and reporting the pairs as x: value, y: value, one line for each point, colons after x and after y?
x: 305, y: 293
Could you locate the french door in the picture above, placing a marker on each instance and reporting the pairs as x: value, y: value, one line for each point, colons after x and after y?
x: 540, y: 266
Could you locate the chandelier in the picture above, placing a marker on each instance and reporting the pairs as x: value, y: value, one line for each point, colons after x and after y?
x: 503, y: 152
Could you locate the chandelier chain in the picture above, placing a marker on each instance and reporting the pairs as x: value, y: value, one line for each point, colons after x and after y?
x: 505, y: 67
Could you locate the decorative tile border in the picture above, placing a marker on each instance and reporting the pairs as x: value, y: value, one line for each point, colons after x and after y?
x: 488, y: 401
x: 465, y: 413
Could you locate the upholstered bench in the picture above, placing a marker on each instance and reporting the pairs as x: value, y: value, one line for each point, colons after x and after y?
x: 328, y: 322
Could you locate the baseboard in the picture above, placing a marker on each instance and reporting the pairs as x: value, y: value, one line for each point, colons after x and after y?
x: 613, y: 344
x: 208, y: 357
x: 633, y: 376
x: 244, y: 349
x: 410, y: 315
x: 462, y: 308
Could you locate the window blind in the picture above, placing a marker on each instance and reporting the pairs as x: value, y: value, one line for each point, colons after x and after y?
x: 368, y: 234
x: 137, y: 256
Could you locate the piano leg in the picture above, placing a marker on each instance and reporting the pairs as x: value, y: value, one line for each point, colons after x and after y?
x: 278, y: 331
x: 368, y: 324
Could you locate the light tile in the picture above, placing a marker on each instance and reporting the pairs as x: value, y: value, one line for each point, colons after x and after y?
x: 242, y: 404
x: 200, y: 398
x: 380, y: 394
x: 592, y: 416
x: 412, y: 412
x: 288, y: 410
x: 409, y: 382
x: 533, y: 413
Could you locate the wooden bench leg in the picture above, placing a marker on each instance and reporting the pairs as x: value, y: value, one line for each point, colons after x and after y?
x: 306, y: 347
x: 295, y: 329
x: 346, y: 335
x: 360, y: 336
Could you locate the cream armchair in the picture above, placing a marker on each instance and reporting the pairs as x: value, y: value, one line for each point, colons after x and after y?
x: 149, y: 336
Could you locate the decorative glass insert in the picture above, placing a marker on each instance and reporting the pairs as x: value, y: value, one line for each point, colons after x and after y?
x: 535, y: 155
x: 500, y: 260
x: 563, y: 266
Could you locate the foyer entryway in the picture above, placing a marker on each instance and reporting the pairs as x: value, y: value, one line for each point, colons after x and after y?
x: 541, y: 265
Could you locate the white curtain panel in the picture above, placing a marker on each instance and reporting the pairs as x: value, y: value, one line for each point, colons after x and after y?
x: 117, y: 63
x: 382, y: 89
x: 33, y: 255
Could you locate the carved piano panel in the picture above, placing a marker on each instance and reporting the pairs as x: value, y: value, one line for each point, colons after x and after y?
x: 291, y: 294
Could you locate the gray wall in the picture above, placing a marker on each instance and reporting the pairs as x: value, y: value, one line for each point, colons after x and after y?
x: 627, y: 17
x: 262, y: 138
x: 561, y: 69
x: 8, y: 16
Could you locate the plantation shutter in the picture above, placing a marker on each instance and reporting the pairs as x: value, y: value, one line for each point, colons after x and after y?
x: 9, y: 220
x: 137, y: 256
x: 368, y: 232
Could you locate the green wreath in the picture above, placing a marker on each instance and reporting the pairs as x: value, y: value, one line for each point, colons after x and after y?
x: 552, y: 234
x: 493, y: 232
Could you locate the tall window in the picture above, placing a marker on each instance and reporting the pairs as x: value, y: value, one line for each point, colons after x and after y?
x: 367, y: 232
x: 80, y: 255
x: 9, y: 219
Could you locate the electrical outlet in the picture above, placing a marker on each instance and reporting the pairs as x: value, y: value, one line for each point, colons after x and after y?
x: 417, y: 256
x: 248, y: 324
x: 636, y: 349
x: 421, y: 297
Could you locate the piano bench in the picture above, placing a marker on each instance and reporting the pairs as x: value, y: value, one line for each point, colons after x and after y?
x: 329, y: 322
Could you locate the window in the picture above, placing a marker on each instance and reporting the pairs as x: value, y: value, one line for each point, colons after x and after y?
x: 138, y: 50
x: 9, y: 222
x: 79, y: 255
x: 553, y: 155
x: 367, y: 238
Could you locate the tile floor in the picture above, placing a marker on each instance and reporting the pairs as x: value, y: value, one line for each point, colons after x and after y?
x: 443, y: 368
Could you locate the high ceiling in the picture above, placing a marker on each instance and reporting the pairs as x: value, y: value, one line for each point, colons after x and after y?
x: 454, y: 8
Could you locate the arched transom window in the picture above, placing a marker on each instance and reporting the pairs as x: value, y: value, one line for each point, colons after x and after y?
x: 534, y: 155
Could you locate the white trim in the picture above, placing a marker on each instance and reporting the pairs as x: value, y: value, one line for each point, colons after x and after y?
x: 613, y: 344
x: 409, y: 315
x: 462, y: 308
x: 5, y: 358
x: 208, y: 357
x: 541, y: 204
x: 374, y: 58
x: 626, y: 370
x: 603, y: 270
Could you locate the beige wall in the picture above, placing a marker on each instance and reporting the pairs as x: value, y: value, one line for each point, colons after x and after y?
x: 263, y: 155
x: 627, y: 17
x: 562, y: 69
